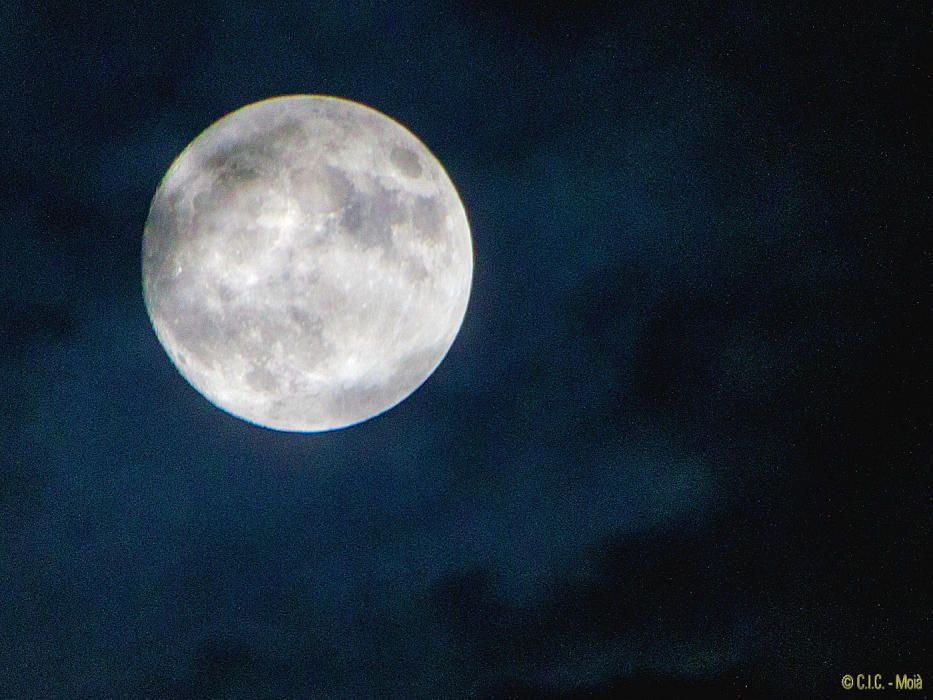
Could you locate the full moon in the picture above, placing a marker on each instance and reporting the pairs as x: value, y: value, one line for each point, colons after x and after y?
x: 307, y: 263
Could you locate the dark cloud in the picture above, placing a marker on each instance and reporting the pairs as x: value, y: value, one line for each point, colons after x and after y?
x: 637, y: 685
x: 30, y: 323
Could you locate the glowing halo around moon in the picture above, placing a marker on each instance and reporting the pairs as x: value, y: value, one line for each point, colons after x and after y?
x: 307, y: 263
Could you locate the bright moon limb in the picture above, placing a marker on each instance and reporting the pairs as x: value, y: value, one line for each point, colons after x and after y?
x: 307, y: 263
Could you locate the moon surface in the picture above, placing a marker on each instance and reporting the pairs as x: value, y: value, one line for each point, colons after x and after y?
x: 307, y: 263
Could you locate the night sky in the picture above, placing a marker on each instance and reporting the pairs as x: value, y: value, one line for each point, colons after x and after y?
x: 674, y: 450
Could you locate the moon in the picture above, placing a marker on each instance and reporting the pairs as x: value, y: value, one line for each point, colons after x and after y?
x: 306, y: 263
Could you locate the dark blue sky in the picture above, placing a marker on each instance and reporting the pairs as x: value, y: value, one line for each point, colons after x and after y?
x: 673, y: 450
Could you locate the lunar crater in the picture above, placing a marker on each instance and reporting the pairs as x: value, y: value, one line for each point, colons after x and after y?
x: 406, y: 161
